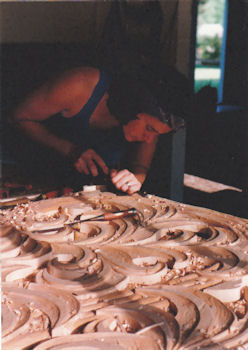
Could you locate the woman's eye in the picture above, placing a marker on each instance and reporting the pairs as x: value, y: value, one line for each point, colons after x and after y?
x: 150, y: 129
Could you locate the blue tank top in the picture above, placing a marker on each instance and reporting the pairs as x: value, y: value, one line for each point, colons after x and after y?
x: 109, y: 144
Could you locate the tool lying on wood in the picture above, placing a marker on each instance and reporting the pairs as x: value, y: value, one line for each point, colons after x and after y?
x: 12, y: 202
x: 103, y: 217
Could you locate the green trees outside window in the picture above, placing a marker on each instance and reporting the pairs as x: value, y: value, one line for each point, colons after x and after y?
x: 209, y: 42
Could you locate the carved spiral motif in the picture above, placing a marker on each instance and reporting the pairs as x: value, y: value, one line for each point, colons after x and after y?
x: 173, y: 277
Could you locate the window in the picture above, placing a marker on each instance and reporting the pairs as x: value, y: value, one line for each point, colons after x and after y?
x: 209, y: 43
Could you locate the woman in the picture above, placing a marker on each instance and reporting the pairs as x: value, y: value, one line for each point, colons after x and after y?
x: 90, y: 119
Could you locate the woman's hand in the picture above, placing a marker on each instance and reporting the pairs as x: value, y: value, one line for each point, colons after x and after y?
x: 125, y: 181
x: 88, y: 161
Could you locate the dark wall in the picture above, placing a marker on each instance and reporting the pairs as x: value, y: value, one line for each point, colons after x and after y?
x: 25, y: 66
x: 235, y: 89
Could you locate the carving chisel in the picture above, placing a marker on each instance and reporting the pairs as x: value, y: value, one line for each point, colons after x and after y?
x: 103, y: 217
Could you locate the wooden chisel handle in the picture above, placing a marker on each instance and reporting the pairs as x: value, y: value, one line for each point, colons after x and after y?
x: 109, y: 216
x: 119, y: 214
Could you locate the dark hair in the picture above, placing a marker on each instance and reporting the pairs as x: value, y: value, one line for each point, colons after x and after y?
x: 129, y: 96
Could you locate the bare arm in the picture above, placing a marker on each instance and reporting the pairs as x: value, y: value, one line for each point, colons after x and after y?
x: 40, y: 134
x: 39, y: 106
x: 141, y: 160
x: 67, y: 95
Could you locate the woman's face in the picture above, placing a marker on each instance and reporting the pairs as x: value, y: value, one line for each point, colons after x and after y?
x: 144, y: 129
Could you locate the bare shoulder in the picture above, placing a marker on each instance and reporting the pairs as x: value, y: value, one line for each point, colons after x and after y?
x: 77, y: 74
x: 73, y: 82
x: 65, y: 92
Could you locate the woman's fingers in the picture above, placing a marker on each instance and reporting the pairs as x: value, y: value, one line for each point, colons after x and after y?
x: 88, y: 161
x: 125, y: 181
x: 121, y: 178
x: 81, y: 166
x: 92, y: 167
x: 121, y: 175
x: 134, y: 188
x: 100, y: 162
x: 113, y: 172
